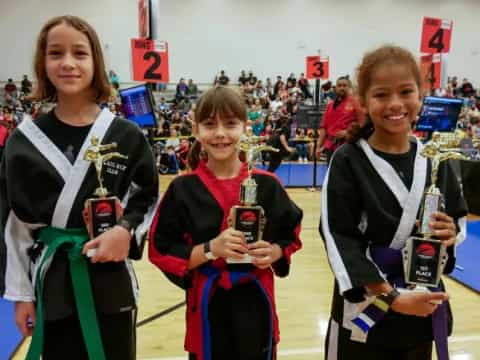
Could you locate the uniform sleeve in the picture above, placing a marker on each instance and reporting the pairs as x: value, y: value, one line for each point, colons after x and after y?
x: 143, y: 195
x: 341, y: 216
x: 455, y: 207
x: 15, y: 241
x: 325, y: 123
x: 283, y: 226
x: 169, y: 245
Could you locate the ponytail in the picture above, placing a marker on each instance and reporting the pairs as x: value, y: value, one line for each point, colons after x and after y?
x: 356, y: 131
x: 194, y: 155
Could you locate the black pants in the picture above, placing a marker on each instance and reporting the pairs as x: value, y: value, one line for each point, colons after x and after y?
x: 64, y: 340
x: 346, y: 349
x: 239, y: 324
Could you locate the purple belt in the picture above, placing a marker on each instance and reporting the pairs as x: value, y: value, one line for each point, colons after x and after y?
x: 390, y: 262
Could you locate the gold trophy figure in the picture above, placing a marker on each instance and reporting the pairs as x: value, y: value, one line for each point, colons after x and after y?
x: 425, y: 257
x: 101, y: 212
x: 249, y: 217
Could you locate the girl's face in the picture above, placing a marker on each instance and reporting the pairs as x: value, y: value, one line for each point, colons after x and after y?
x: 219, y: 137
x: 69, y: 61
x: 393, y: 99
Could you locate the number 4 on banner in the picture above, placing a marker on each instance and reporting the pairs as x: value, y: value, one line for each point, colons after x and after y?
x: 150, y: 60
x: 436, y: 35
x: 431, y: 69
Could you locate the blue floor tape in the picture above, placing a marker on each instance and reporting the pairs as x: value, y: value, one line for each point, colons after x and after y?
x: 10, y: 337
x: 467, y: 269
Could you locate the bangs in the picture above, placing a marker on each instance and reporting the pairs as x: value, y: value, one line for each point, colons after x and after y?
x: 221, y: 101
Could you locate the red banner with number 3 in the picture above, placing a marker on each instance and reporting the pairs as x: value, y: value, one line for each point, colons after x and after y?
x: 150, y: 60
x: 317, y: 68
x: 436, y: 35
x: 431, y: 70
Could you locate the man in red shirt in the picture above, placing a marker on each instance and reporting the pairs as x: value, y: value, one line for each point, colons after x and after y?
x: 338, y: 117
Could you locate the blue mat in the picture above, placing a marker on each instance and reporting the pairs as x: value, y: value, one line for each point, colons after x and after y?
x: 298, y: 174
x: 467, y: 269
x: 10, y: 337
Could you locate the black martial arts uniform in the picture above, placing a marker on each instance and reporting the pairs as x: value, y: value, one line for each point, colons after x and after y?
x: 230, y: 308
x: 370, y: 201
x: 44, y: 182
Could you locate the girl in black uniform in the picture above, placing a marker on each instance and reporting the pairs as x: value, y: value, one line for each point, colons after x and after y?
x: 370, y: 201
x: 77, y: 307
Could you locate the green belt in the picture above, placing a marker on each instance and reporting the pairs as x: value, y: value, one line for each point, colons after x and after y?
x: 74, y: 239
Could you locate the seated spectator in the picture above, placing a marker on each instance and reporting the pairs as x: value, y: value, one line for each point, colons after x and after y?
x: 163, y: 106
x: 304, y: 86
x: 252, y: 79
x: 26, y: 86
x: 258, y: 126
x: 291, y: 78
x: 467, y: 90
x: 114, y: 80
x: 11, y: 89
x: 192, y: 89
x: 276, y: 104
x: 223, y: 79
x: 278, y: 84
x: 181, y: 91
x: 301, y: 141
x: 242, y: 79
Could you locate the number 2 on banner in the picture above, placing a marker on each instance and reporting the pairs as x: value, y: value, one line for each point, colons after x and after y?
x: 150, y: 60
x: 436, y: 35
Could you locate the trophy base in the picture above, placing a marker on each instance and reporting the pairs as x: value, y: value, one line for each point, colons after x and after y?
x: 248, y: 219
x: 424, y: 260
x: 101, y: 215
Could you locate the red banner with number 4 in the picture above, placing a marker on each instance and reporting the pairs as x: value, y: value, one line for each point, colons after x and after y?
x: 431, y: 71
x: 318, y: 68
x: 436, y: 35
x: 150, y: 60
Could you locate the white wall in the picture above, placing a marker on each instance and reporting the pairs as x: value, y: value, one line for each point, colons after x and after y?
x: 268, y: 36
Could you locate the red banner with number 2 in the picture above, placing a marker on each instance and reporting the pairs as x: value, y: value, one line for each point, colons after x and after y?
x: 436, y: 35
x: 150, y: 61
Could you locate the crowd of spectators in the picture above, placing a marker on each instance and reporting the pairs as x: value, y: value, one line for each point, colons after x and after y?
x: 272, y: 108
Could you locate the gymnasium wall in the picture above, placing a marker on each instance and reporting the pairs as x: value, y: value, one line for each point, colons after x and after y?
x: 268, y: 36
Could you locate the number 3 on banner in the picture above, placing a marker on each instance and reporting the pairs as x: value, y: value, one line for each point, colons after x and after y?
x: 436, y: 35
x: 316, y: 68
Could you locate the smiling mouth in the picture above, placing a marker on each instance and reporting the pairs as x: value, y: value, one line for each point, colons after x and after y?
x: 396, y: 117
x: 220, y: 146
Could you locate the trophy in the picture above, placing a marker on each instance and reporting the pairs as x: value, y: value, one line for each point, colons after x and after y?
x: 249, y: 217
x: 102, y: 211
x: 424, y: 257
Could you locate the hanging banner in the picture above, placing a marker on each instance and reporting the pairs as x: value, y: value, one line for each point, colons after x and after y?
x: 431, y: 71
x: 317, y: 68
x: 144, y: 19
x: 150, y: 60
x: 436, y: 35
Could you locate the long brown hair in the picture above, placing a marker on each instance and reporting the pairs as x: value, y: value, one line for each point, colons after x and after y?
x: 44, y: 89
x: 387, y: 54
x: 220, y: 100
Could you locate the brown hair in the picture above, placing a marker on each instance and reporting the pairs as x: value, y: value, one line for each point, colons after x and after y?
x: 220, y: 100
x: 387, y: 54
x: 45, y: 89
